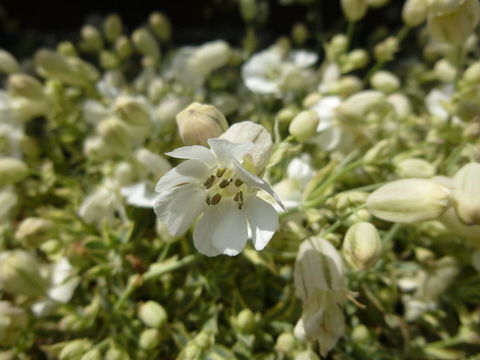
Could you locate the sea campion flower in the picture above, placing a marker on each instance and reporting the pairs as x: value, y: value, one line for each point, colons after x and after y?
x: 214, y: 182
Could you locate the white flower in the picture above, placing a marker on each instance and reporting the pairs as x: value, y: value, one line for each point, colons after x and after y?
x: 213, y: 182
x: 139, y: 195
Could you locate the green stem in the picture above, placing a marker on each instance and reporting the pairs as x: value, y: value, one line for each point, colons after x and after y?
x: 350, y: 32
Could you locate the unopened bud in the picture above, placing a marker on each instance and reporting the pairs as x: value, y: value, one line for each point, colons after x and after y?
x: 108, y: 60
x: 385, y: 81
x: 471, y: 76
x: 358, y: 105
x: 75, y: 349
x: 116, y: 353
x: 133, y: 111
x: 300, y: 33
x: 409, y: 200
x: 386, y: 50
x: 123, y: 47
x: 414, y: 12
x: 338, y: 45
x: 8, y: 63
x: 13, y: 322
x: 245, y: 321
x: 146, y: 44
x: 19, y: 274
x: 66, y: 48
x: 160, y: 25
x: 378, y: 153
x: 199, y: 122
x: 33, y: 231
x: 445, y: 71
x: 149, y: 339
x: 304, y: 125
x: 209, y: 57
x: 25, y: 86
x: 248, y: 9
x: 307, y: 355
x: 112, y: 27
x: 375, y: 4
x: 354, y: 10
x: 93, y: 354
x: 362, y: 246
x: 466, y: 194
x: 415, y: 168
x: 356, y: 59
x: 346, y: 86
x: 115, y: 134
x: 285, y: 343
x: 152, y: 314
x: 9, y: 201
x: 441, y: 7
x: 12, y: 171
x: 91, y: 39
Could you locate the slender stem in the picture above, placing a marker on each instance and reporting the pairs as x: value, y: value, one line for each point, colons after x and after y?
x: 350, y: 32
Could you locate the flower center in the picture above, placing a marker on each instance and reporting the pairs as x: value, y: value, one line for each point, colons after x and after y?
x: 223, y: 184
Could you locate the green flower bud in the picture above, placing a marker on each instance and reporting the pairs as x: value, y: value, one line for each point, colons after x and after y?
x: 338, y: 45
x: 109, y: 60
x: 445, y: 71
x: 415, y: 168
x: 199, y: 122
x: 9, y: 201
x: 386, y: 50
x: 286, y: 343
x: 409, y: 200
x: 248, y: 9
x: 300, y: 33
x: 152, y: 314
x: 375, y: 4
x: 354, y: 10
x: 356, y: 59
x: 93, y: 354
x: 360, y: 334
x: 385, y: 81
x: 209, y: 57
x: 378, y: 153
x: 112, y: 27
x: 33, y: 231
x: 358, y: 105
x: 116, y: 353
x: 8, y: 63
x: 160, y: 25
x: 66, y: 48
x: 146, y: 44
x: 362, y: 246
x: 25, y: 86
x: 441, y: 7
x: 75, y: 349
x: 91, y: 39
x: 245, y: 321
x: 414, y: 12
x: 13, y: 322
x: 304, y: 125
x: 133, y: 111
x: 346, y: 86
x: 149, y: 339
x: 310, y: 100
x: 471, y: 76
x: 12, y: 171
x: 307, y: 355
x: 123, y: 47
x: 116, y: 135
x: 466, y: 194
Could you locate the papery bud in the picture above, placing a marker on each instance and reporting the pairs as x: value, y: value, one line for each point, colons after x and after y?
x: 75, y: 349
x: 146, y: 44
x: 385, y: 81
x: 8, y: 63
x: 354, y: 10
x: 123, y: 47
x: 160, y: 25
x: 19, y: 274
x: 26, y: 86
x: 466, y: 194
x: 386, y: 50
x: 245, y: 321
x: 247, y: 131
x: 199, y: 122
x: 115, y: 134
x: 362, y: 246
x: 12, y: 171
x: 455, y: 27
x: 209, y: 57
x: 112, y: 27
x: 33, y: 231
x: 149, y: 339
x: 248, y: 9
x: 91, y: 39
x: 304, y: 125
x: 13, y: 323
x: 409, y: 200
x: 153, y: 314
x: 93, y: 354
x: 414, y: 12
x: 415, y: 168
x: 378, y: 153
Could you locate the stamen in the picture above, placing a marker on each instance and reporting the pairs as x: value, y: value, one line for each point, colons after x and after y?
x: 208, y: 184
x: 208, y: 200
x: 216, y: 199
x: 225, y: 183
x: 220, y: 172
x: 238, y: 182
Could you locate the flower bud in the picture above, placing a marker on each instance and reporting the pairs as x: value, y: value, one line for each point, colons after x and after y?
x: 409, y: 200
x: 115, y: 134
x: 75, y: 349
x: 285, y: 343
x: 471, y: 76
x: 476, y: 260
x: 12, y: 171
x: 362, y: 246
x: 358, y: 105
x: 247, y: 131
x: 248, y: 9
x: 401, y: 105
x: 441, y: 7
x: 356, y: 59
x: 415, y: 168
x: 209, y: 57
x: 9, y: 201
x: 307, y: 355
x: 66, y: 48
x: 354, y: 10
x: 445, y: 71
x: 199, y: 122
x: 304, y: 125
x: 414, y: 12
x: 91, y: 39
x: 93, y: 354
x: 245, y: 321
x: 346, y: 86
x: 108, y: 60
x: 116, y: 353
x: 376, y: 4
x: 300, y: 33
x: 19, y: 274
x: 455, y: 27
x: 133, y: 111
x: 466, y: 194
x: 33, y: 231
x: 146, y: 44
x: 8, y: 63
x: 160, y: 25
x: 112, y: 27
x: 386, y: 50
x: 123, y: 47
x: 385, y: 81
x: 13, y: 323
x: 152, y: 314
x: 149, y: 339
x: 338, y: 46
x: 25, y: 86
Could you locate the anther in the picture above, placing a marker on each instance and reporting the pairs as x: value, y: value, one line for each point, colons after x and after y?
x: 238, y: 182
x: 225, y: 183
x: 207, y: 200
x: 216, y: 199
x: 220, y: 172
x: 208, y: 184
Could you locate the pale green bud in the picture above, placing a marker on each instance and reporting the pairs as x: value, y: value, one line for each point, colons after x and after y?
x: 362, y: 246
x: 346, y: 86
x: 112, y: 27
x: 285, y: 343
x: 441, y: 7
x: 466, y: 194
x: 75, y: 349
x: 457, y: 227
x: 116, y: 353
x: 360, y: 334
x: 19, y: 274
x: 471, y: 76
x: 204, y: 340
x: 300, y: 33
x: 93, y: 354
x: 455, y: 27
x: 8, y: 355
x: 310, y: 100
x: 354, y: 10
x: 160, y: 25
x: 476, y: 260
x: 109, y: 60
x: 445, y: 71
x: 358, y: 105
x: 12, y: 171
x: 133, y: 111
x: 356, y: 59
x: 385, y: 81
x: 199, y: 122
x: 146, y: 44
x: 209, y: 57
x: 26, y: 86
x: 307, y: 355
x: 66, y: 48
x: 248, y: 9
x: 149, y: 339
x: 338, y: 45
x: 409, y: 200
x: 226, y: 103
x: 8, y: 63
x: 13, y: 322
x: 304, y: 125
x: 401, y: 104
x: 378, y: 153
x: 152, y: 163
x: 375, y: 4
x: 415, y: 168
x: 115, y: 134
x: 9, y: 201
x: 386, y: 50
x: 123, y: 47
x: 414, y: 12
x: 153, y: 314
x: 33, y: 231
x: 91, y: 39
x: 245, y: 321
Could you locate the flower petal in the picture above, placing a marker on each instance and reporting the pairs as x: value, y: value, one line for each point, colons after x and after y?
x: 263, y: 220
x: 179, y: 207
x: 202, y: 235
x: 252, y: 180
x: 230, y: 234
x: 188, y: 172
x: 227, y: 151
x: 194, y: 152
x: 138, y: 195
